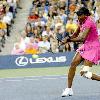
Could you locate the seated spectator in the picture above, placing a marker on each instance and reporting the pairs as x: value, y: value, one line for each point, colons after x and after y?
x: 58, y: 22
x: 50, y: 22
x: 33, y: 16
x: 63, y: 16
x: 53, y: 40
x: 29, y: 30
x: 43, y: 16
x: 32, y: 46
x: 44, y: 45
x: 62, y: 4
x: 72, y: 7
x: 34, y: 42
x: 17, y: 50
x: 35, y: 32
x: 30, y: 49
x: 71, y: 26
x: 24, y: 41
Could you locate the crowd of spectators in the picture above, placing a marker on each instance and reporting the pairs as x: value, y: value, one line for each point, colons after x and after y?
x: 8, y: 10
x: 49, y: 22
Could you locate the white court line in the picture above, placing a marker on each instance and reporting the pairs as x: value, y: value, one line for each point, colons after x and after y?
x: 63, y: 77
x: 13, y: 80
x: 46, y: 76
x: 20, y: 77
x: 50, y: 78
x: 31, y: 79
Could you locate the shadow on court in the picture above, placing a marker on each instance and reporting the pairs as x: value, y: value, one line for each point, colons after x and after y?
x: 47, y: 88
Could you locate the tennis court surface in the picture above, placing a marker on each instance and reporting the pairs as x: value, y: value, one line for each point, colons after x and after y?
x: 47, y: 88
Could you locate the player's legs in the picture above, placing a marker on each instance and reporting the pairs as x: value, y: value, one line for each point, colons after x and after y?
x: 86, y: 72
x: 86, y: 67
x: 75, y: 62
x: 95, y: 77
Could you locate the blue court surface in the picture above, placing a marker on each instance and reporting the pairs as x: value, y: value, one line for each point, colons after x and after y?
x: 47, y: 88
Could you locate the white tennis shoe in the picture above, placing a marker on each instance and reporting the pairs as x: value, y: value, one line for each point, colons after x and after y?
x: 67, y: 92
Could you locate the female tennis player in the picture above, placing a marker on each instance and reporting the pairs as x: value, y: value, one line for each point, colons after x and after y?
x: 89, y: 52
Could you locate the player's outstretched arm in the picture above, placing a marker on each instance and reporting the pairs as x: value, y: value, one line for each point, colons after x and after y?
x: 79, y: 38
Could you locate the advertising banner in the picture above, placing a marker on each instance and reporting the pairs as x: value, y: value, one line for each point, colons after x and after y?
x: 36, y: 61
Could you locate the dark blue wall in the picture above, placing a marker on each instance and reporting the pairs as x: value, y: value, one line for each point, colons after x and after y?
x: 44, y: 60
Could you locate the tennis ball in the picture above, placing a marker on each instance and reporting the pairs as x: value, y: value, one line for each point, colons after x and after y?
x: 35, y: 56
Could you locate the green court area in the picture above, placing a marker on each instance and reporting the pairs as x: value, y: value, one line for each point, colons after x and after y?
x: 25, y: 72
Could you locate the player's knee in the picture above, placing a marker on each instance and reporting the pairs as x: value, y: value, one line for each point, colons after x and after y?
x: 88, y: 75
x: 85, y: 68
x: 85, y: 72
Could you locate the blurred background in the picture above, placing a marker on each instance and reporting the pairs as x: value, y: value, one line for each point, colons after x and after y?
x: 39, y: 26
